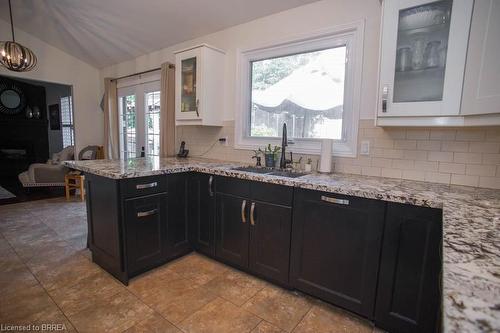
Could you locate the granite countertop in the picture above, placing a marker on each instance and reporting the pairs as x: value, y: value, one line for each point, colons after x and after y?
x: 471, y: 216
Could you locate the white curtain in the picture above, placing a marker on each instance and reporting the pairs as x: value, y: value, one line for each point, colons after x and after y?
x: 167, y: 113
x: 111, y: 120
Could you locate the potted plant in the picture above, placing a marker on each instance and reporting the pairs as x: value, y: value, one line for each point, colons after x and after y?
x: 270, y: 154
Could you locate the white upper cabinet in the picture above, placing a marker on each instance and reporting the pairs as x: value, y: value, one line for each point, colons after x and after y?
x: 423, y: 54
x: 481, y: 93
x: 199, y: 86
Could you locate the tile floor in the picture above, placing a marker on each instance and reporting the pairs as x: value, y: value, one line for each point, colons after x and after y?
x: 46, y: 276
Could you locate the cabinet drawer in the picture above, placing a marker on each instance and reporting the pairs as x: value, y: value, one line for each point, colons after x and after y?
x: 272, y: 193
x: 136, y: 187
x: 233, y: 186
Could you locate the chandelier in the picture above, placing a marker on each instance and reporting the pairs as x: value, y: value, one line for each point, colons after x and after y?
x: 14, y: 56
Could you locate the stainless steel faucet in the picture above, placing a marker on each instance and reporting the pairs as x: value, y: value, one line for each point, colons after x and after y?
x: 284, y: 143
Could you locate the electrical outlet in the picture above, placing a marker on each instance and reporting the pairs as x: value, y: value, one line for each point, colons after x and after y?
x: 365, y: 148
x: 224, y: 141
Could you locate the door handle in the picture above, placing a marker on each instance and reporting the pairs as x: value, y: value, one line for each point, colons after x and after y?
x: 385, y: 97
x: 143, y: 186
x: 147, y: 213
x: 243, y: 206
x: 210, y: 183
x: 335, y: 200
x: 252, y: 212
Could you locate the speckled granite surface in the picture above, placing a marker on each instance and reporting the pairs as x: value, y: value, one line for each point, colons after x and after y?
x: 471, y: 220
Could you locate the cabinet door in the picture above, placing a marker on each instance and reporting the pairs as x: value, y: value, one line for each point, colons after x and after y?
x: 270, y: 227
x: 408, y: 297
x: 481, y: 89
x: 145, y: 222
x: 336, y: 248
x: 202, y: 213
x: 232, y: 223
x: 177, y: 224
x: 188, y: 84
x: 423, y: 51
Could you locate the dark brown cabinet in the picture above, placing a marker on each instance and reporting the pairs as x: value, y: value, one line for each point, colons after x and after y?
x: 232, y: 229
x: 270, y: 227
x: 145, y: 225
x: 177, y: 236
x: 201, y: 212
x: 335, y: 250
x: 408, y: 298
x: 253, y: 222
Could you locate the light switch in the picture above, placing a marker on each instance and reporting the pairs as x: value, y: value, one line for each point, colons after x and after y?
x: 365, y: 148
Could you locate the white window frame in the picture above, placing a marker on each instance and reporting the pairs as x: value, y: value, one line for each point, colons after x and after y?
x: 350, y: 35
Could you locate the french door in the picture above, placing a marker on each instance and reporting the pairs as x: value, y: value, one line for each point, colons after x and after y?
x: 139, y: 119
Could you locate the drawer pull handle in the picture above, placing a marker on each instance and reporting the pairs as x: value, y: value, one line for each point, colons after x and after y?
x: 243, y: 206
x: 210, y: 183
x: 147, y: 213
x: 335, y: 200
x: 143, y: 186
x: 252, y: 213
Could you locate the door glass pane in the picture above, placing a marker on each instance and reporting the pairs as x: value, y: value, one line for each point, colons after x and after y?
x: 188, y: 82
x: 127, y: 126
x: 421, y: 50
x: 153, y: 123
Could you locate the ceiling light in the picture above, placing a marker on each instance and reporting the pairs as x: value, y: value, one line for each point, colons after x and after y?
x: 16, y: 57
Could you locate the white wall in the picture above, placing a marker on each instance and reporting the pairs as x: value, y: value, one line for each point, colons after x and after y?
x: 308, y: 18
x: 57, y: 66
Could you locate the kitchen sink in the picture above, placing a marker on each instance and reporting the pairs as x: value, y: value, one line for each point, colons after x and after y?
x: 254, y: 169
x: 289, y: 174
x: 271, y: 172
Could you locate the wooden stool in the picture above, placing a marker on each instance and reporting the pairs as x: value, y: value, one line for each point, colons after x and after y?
x: 74, y: 181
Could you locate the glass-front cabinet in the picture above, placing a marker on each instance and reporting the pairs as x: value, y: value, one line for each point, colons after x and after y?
x: 199, y: 86
x: 423, y: 52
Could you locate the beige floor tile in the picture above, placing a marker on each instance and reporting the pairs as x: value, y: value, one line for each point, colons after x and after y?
x: 155, y: 291
x: 50, y: 255
x: 68, y: 272
x: 265, y: 327
x: 236, y: 287
x: 16, y: 280
x: 153, y: 324
x: 323, y: 318
x: 197, y: 267
x: 280, y: 307
x: 147, y: 280
x: 96, y: 287
x: 220, y: 316
x: 117, y: 314
x: 180, y: 306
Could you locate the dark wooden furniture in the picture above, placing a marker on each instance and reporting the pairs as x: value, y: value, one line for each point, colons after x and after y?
x: 336, y: 243
x: 136, y: 224
x: 253, y: 224
x: 377, y: 259
x: 408, y: 298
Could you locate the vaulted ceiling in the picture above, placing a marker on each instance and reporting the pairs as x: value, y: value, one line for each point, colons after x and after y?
x: 105, y: 32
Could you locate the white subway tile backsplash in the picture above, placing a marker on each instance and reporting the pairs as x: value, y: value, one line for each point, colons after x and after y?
x: 461, y: 156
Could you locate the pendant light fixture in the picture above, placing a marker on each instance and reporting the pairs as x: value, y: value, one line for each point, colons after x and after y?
x: 14, y: 56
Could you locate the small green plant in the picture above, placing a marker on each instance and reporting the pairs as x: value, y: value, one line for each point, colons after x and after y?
x: 269, y: 150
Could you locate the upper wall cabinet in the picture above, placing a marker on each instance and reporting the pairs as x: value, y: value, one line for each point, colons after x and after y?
x: 482, y: 73
x: 199, y: 88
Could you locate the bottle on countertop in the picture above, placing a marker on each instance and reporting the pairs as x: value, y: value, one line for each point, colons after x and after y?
x: 143, y: 154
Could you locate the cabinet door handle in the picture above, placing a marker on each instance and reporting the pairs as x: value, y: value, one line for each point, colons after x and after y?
x: 335, y: 200
x: 147, y: 213
x: 243, y: 206
x: 143, y: 186
x: 196, y: 108
x: 210, y: 184
x: 252, y: 212
x: 385, y: 97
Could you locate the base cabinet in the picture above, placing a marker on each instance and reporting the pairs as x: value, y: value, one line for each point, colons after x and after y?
x: 177, y: 240
x: 335, y: 249
x: 408, y: 298
x: 145, y: 226
x: 201, y: 212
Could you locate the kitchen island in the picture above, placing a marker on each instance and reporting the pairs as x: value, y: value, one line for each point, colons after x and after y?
x: 470, y: 218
